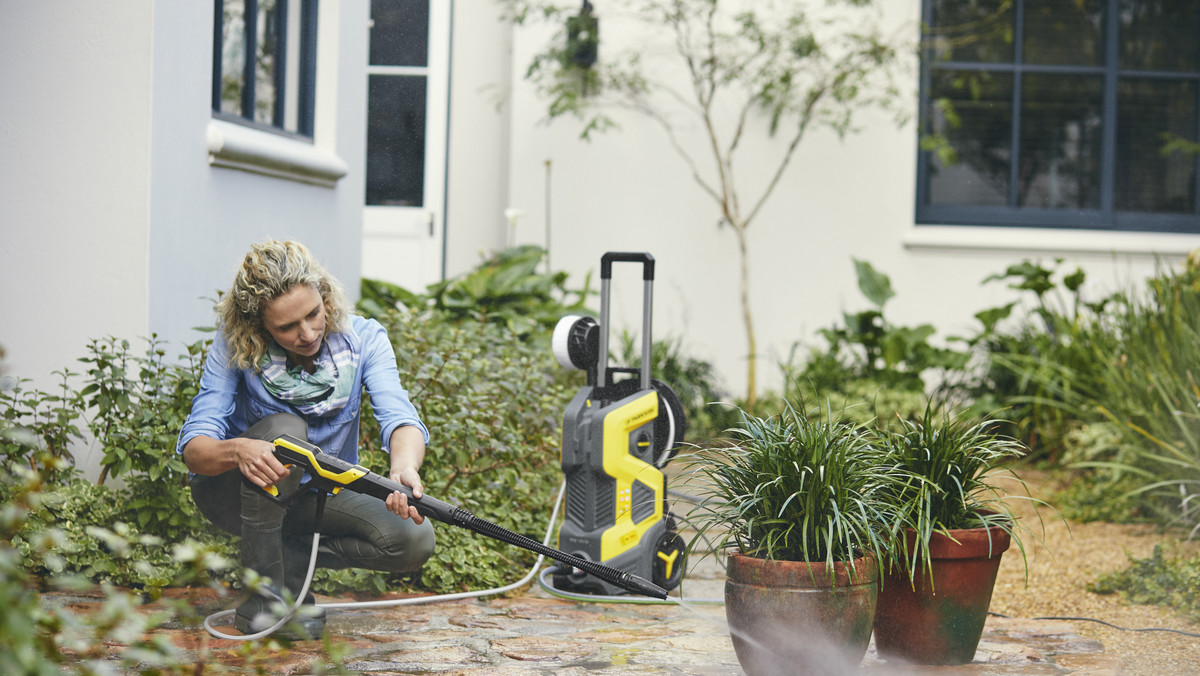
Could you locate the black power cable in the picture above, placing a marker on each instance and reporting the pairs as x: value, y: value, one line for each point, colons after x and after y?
x: 1107, y: 624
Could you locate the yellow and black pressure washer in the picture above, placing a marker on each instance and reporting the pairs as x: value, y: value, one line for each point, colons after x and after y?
x: 618, y: 434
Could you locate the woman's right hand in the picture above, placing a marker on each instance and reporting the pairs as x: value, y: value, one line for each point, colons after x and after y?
x: 256, y: 460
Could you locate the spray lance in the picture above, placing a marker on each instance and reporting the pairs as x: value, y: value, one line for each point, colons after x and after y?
x: 331, y: 475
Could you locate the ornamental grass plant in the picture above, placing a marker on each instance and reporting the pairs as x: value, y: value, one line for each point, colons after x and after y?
x: 953, y: 467
x: 798, y: 486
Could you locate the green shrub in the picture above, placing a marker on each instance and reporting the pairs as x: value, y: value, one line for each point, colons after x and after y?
x: 37, y: 428
x: 506, y: 289
x: 874, y: 368
x: 1174, y: 583
x: 137, y: 405
x: 1129, y: 361
x: 493, y: 403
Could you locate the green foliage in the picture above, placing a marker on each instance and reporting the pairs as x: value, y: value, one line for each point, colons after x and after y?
x: 798, y: 486
x: 506, y: 288
x: 951, y: 467
x: 1035, y: 368
x: 493, y: 408
x: 1099, y: 496
x: 1173, y: 582
x: 98, y: 538
x: 868, y: 356
x: 36, y: 424
x: 138, y: 403
x: 1128, y: 361
x: 694, y: 380
x: 38, y: 639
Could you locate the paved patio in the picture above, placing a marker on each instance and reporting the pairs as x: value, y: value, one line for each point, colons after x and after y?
x: 533, y: 632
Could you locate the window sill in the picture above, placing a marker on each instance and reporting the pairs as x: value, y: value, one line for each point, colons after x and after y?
x: 234, y: 146
x: 1045, y: 240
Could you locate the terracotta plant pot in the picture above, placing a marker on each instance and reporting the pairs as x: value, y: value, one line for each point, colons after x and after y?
x: 941, y: 623
x: 785, y: 617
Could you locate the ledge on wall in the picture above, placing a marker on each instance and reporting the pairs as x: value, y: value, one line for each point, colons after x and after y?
x: 1050, y: 240
x: 235, y: 146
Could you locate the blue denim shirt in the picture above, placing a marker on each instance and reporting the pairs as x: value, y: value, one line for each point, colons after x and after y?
x: 231, y: 400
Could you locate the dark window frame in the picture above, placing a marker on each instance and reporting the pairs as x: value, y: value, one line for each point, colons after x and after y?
x: 307, y: 65
x: 1104, y: 218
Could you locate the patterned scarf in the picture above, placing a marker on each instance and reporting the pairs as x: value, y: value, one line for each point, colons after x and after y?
x: 322, y: 393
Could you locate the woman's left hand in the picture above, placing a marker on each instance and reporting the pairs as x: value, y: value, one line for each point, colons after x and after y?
x: 398, y: 502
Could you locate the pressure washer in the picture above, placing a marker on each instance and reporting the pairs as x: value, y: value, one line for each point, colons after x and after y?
x: 619, y: 431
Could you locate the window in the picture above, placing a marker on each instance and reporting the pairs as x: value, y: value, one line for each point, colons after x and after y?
x: 264, y: 63
x: 1061, y: 113
x: 396, y: 102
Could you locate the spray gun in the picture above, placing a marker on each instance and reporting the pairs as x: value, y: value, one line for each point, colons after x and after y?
x: 330, y: 475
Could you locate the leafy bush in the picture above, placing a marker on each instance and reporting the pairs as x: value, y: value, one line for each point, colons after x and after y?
x: 1127, y: 362
x: 874, y: 368
x: 506, y: 288
x: 493, y: 405
x: 797, y: 486
x: 1174, y: 583
x: 38, y: 428
x: 37, y: 639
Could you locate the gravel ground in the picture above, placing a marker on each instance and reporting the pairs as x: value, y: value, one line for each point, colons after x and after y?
x: 1069, y: 558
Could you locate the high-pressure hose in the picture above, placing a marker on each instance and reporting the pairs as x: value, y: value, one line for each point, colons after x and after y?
x: 213, y: 619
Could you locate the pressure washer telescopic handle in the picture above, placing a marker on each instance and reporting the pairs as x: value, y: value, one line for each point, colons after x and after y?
x: 642, y: 257
x: 606, y: 262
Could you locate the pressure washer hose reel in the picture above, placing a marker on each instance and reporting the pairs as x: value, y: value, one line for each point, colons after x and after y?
x: 619, y: 431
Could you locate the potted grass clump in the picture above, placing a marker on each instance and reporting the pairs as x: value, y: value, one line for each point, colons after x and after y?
x: 953, y: 527
x: 797, y: 500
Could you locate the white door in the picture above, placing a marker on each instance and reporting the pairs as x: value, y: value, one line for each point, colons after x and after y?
x: 407, y: 105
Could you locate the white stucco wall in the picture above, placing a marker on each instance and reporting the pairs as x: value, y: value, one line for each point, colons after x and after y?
x: 75, y: 149
x: 114, y: 222
x: 204, y: 218
x: 627, y: 190
x: 481, y: 75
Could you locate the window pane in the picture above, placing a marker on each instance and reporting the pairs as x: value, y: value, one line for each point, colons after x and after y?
x: 1060, y: 151
x: 1064, y: 32
x: 972, y: 30
x: 1160, y: 34
x: 233, y: 55
x: 399, y: 33
x: 1151, y: 113
x: 973, y: 112
x: 396, y: 140
x: 266, y: 62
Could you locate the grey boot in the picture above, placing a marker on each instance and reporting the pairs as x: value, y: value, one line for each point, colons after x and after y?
x: 262, y: 550
x: 263, y: 553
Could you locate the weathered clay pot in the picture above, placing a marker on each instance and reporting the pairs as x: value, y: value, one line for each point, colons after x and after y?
x: 785, y: 617
x: 941, y: 623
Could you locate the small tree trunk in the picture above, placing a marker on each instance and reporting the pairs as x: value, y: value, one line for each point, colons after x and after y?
x: 748, y: 320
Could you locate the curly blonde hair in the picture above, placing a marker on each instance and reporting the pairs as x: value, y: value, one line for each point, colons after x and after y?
x: 270, y: 270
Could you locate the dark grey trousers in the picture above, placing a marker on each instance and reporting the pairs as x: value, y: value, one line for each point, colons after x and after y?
x: 357, y: 531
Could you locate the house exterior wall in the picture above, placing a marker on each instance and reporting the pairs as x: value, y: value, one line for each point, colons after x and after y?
x: 204, y: 218
x: 75, y: 152
x: 478, y: 169
x: 114, y: 222
x: 840, y: 199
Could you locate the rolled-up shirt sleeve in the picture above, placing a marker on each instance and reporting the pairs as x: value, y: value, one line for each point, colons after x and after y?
x: 213, y: 405
x: 389, y: 399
